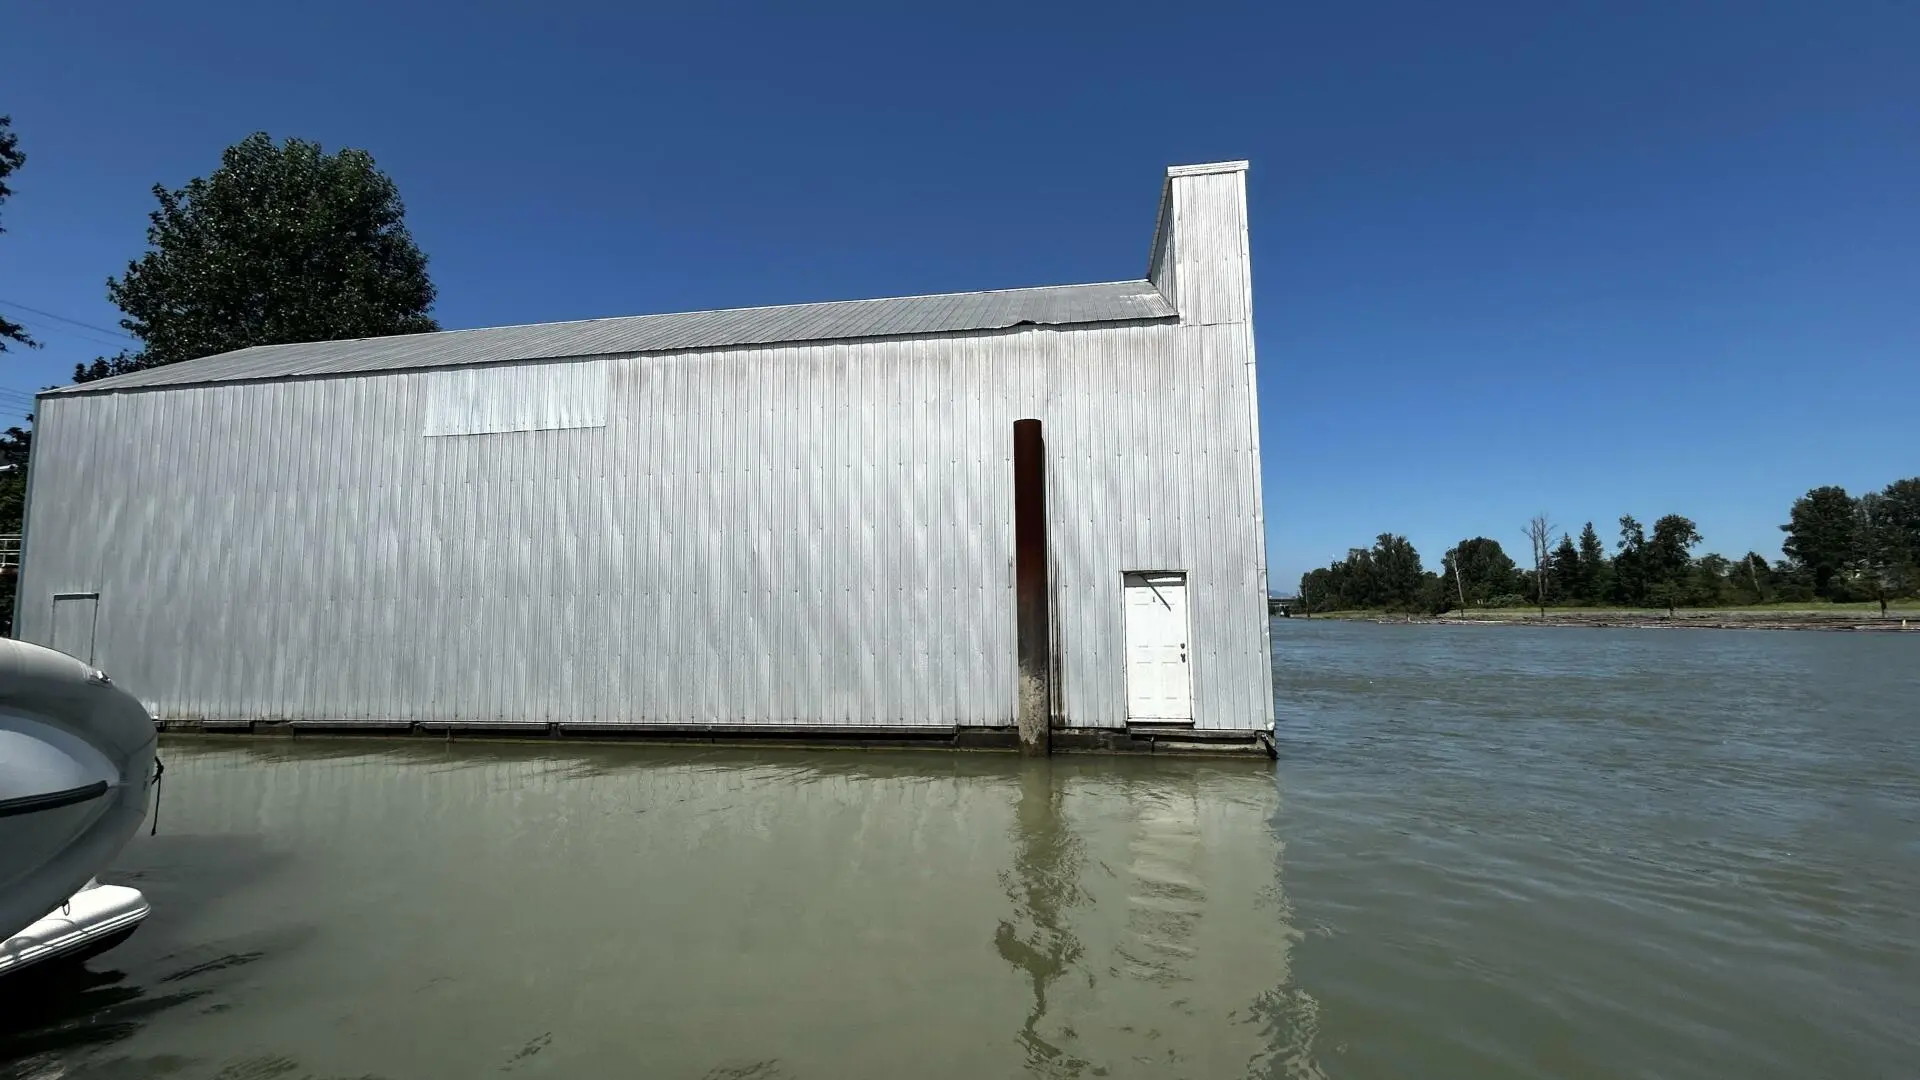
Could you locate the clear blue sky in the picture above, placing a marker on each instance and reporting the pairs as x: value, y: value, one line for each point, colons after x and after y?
x: 1593, y: 259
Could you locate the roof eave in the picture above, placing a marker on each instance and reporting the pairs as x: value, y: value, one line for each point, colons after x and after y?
x: 107, y: 386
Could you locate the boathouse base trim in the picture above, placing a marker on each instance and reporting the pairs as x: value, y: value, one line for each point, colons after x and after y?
x: 1135, y: 739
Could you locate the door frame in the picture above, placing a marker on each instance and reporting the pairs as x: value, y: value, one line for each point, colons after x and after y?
x: 93, y: 630
x: 1126, y: 645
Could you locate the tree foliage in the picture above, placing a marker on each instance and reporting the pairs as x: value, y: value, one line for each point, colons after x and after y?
x: 1479, y: 569
x: 1388, y: 576
x: 1898, y: 512
x: 1564, y: 574
x: 1398, y: 572
x: 283, y: 242
x: 1837, y: 548
x: 1885, y: 564
x: 1630, y: 563
x: 1752, y: 580
x: 1596, y: 574
x: 1669, y: 560
x: 1820, y: 538
x: 11, y: 159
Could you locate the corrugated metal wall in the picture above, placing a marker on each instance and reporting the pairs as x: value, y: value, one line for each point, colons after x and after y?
x: 817, y: 534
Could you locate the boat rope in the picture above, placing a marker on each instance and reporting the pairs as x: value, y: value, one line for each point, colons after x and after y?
x: 159, y: 771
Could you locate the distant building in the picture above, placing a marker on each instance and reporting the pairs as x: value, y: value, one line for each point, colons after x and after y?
x: 780, y: 521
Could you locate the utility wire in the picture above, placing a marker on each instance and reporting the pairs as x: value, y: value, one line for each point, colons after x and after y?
x: 80, y: 335
x: 64, y: 319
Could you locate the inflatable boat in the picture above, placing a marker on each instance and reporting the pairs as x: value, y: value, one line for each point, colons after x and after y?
x: 93, y: 920
x: 76, y: 762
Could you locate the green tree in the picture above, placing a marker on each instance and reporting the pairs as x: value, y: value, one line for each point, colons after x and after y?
x: 1357, y: 585
x: 1791, y: 583
x: 1669, y: 559
x: 11, y: 159
x: 1348, y: 585
x: 1751, y: 580
x: 283, y: 242
x: 1708, y: 584
x: 1312, y: 589
x: 1883, y: 567
x: 1630, y: 578
x: 1479, y: 569
x: 1595, y: 574
x: 1820, y: 538
x: 1899, y: 509
x: 1564, y: 575
x: 1398, y: 573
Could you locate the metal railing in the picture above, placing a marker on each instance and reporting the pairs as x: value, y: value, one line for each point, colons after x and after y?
x: 9, y: 552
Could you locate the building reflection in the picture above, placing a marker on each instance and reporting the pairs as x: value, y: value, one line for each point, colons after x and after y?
x: 1146, y: 921
x: 1070, y: 917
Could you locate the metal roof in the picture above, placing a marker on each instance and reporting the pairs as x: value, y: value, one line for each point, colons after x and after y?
x: 1054, y: 305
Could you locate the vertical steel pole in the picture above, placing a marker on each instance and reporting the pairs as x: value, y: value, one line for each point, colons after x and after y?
x: 1034, y: 639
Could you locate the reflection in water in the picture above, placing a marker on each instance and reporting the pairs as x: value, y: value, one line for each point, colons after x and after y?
x: 1165, y: 900
x: 1043, y: 882
x: 448, y: 911
x: 1147, y: 922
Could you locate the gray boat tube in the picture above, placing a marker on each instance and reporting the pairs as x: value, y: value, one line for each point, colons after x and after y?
x: 76, y: 760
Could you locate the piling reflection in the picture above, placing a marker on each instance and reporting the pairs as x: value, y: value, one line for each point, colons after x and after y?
x: 1043, y: 884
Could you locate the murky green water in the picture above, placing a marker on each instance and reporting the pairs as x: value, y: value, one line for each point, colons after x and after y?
x: 1487, y: 852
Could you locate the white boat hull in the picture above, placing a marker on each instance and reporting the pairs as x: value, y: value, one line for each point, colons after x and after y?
x: 94, y: 919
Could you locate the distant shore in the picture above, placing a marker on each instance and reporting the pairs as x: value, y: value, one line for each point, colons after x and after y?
x: 1829, y: 618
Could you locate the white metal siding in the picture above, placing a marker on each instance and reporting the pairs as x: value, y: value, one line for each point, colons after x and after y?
x: 500, y: 398
x: 1209, y: 232
x: 819, y: 534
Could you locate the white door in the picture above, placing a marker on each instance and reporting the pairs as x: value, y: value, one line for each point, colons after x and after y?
x: 1158, y: 687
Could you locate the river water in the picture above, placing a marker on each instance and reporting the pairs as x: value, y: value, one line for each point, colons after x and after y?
x: 1486, y: 852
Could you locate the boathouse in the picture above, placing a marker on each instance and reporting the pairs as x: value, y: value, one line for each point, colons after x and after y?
x: 960, y: 518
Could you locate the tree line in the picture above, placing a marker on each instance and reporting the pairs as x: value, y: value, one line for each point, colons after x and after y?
x: 1838, y: 548
x: 281, y: 242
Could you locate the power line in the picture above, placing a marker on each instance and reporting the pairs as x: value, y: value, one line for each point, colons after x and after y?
x: 46, y: 333
x: 43, y: 329
x: 64, y: 319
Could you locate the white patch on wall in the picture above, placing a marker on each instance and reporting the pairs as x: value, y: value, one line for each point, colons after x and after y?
x: 516, y: 397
